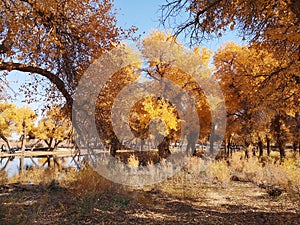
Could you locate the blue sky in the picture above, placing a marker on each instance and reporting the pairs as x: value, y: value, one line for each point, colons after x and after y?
x: 145, y: 15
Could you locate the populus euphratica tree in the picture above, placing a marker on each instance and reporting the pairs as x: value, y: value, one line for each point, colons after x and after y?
x: 56, y: 40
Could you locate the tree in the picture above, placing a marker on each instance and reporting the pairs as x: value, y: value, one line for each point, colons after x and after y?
x: 188, y: 69
x: 269, y: 24
x: 149, y: 109
x: 7, y: 119
x: 24, y: 124
x: 280, y: 132
x: 56, y: 39
x: 264, y: 21
x: 15, y: 120
x: 165, y: 62
x: 54, y: 128
x: 104, y: 105
x: 253, y: 98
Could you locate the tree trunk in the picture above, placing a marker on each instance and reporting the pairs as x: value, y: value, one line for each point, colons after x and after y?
x: 142, y: 145
x: 295, y: 145
x: 164, y: 148
x: 260, y: 147
x: 23, y: 145
x: 49, y: 143
x: 212, y: 140
x: 191, y: 145
x: 280, y: 134
x: 281, y: 150
x: 114, y: 146
x: 227, y: 147
x: 56, y: 143
x: 268, y: 140
x: 21, y: 165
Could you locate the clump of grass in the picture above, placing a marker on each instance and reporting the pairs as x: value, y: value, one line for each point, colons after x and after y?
x: 286, y: 174
x: 3, y: 177
x: 133, y: 161
x: 96, y: 192
x: 236, y: 162
x: 89, y: 181
x: 195, y: 166
x: 268, y: 170
x: 252, y: 170
x: 220, y: 171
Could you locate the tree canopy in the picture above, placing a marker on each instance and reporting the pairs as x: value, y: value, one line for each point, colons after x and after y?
x: 271, y: 21
x: 56, y: 39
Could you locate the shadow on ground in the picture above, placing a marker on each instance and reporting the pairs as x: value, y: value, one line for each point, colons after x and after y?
x: 53, y: 204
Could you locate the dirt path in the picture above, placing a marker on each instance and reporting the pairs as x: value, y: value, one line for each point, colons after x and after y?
x: 238, y: 203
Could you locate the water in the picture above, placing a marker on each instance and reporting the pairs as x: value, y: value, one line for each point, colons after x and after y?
x: 11, y: 165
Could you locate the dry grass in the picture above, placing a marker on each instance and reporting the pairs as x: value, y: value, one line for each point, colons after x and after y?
x: 133, y: 161
x: 286, y: 174
x: 44, y: 176
x: 268, y: 170
x: 198, y: 172
x: 220, y: 171
x: 3, y: 177
x: 89, y: 181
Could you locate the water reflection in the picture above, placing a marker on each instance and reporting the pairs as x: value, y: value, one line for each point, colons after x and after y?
x: 16, y: 165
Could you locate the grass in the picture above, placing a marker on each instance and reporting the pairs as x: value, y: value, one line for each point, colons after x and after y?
x: 90, y: 187
x: 80, y: 195
x: 268, y: 170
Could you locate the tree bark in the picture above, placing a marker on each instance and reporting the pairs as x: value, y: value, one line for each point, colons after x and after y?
x: 228, y: 146
x: 281, y: 151
x: 115, y: 145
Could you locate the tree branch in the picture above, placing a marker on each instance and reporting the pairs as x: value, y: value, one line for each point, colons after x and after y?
x: 9, y: 66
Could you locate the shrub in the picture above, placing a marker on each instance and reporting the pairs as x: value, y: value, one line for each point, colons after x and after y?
x: 219, y: 170
x: 133, y: 161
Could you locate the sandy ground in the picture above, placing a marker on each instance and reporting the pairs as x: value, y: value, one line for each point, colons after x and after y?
x: 237, y: 203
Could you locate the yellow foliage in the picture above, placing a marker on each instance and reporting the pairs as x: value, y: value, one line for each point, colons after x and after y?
x: 15, y: 120
x: 150, y: 109
x: 56, y: 125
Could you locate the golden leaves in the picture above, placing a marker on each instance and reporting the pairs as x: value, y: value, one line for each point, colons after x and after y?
x: 255, y: 81
x: 56, y: 125
x: 15, y: 120
x: 63, y: 37
x: 151, y: 108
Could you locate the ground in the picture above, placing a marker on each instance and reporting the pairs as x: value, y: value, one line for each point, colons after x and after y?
x: 235, y: 203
